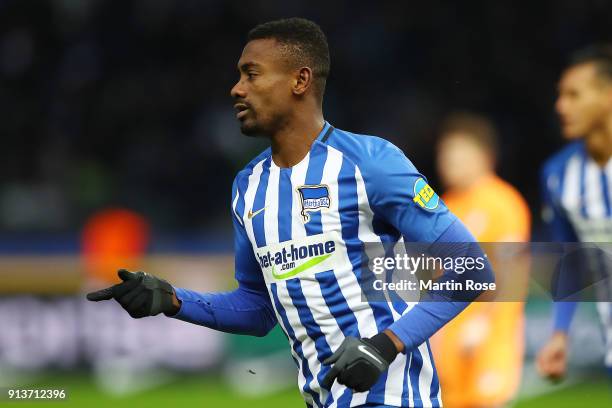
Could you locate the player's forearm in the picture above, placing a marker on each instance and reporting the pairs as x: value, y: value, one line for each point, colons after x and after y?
x: 439, y: 307
x: 563, y: 313
x: 242, y: 311
x: 423, y: 320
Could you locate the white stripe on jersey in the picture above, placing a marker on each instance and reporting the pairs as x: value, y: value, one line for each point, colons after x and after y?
x: 330, y: 220
x: 425, y: 376
x: 271, y: 205
x: 593, y: 194
x: 234, y: 204
x: 410, y: 384
x: 298, y: 178
x: 571, y: 184
x: 249, y: 197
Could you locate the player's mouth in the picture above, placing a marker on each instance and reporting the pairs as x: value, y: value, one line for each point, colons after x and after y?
x: 242, y: 109
x: 565, y: 121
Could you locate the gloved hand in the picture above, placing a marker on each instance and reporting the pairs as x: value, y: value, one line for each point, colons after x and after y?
x: 358, y: 363
x: 140, y: 294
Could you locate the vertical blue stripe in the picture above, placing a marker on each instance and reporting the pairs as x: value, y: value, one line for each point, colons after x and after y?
x: 307, y: 320
x: 318, y: 156
x: 349, y: 219
x: 285, y: 202
x: 345, y: 399
x: 582, y: 186
x: 297, y: 345
x: 314, y: 175
x: 415, y: 371
x: 258, y: 203
x: 435, y: 384
x: 335, y: 301
x: 606, y: 193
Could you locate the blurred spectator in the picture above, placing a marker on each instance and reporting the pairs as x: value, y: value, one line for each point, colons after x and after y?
x: 113, y: 239
x: 479, y: 354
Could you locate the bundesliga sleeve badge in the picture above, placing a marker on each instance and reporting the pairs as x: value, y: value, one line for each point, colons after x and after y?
x: 424, y: 195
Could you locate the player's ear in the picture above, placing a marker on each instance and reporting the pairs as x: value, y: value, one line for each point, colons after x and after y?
x: 303, y: 80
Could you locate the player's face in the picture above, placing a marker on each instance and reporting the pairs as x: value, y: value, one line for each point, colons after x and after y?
x: 262, y: 96
x: 461, y: 161
x: 583, y: 103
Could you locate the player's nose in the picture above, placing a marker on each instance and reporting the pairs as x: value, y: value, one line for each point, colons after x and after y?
x: 560, y: 106
x: 238, y: 91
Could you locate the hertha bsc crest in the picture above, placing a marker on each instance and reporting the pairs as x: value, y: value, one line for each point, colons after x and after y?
x: 313, y: 198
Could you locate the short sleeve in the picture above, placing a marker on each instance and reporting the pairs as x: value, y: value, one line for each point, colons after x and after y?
x: 402, y: 197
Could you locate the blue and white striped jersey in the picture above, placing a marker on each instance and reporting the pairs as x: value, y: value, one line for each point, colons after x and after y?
x: 300, y: 232
x: 577, y: 195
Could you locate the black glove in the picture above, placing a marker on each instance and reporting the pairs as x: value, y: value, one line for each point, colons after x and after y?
x: 140, y: 294
x: 359, y: 362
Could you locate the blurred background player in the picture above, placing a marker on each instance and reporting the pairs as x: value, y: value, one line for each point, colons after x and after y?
x: 479, y: 355
x: 576, y: 184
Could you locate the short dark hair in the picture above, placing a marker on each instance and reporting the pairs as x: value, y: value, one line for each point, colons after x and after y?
x: 476, y: 127
x: 598, y: 54
x: 305, y: 44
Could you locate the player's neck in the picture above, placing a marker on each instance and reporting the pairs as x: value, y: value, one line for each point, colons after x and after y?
x: 292, y: 142
x: 599, y: 145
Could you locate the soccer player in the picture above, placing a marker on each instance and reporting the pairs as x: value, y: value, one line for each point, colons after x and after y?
x: 479, y: 354
x: 577, y: 184
x: 302, y: 211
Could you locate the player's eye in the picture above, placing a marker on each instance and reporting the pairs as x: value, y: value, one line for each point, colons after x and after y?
x: 251, y: 74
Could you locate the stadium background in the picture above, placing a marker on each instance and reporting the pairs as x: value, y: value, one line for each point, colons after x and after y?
x: 125, y: 104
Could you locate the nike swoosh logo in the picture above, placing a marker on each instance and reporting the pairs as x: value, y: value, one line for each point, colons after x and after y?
x: 306, y: 265
x: 364, y: 350
x: 251, y: 214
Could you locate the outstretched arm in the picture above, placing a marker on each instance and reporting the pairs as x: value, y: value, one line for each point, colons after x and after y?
x: 246, y: 310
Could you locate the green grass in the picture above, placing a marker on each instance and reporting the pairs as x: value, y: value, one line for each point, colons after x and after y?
x: 188, y: 391
x: 200, y: 391
x: 592, y: 394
